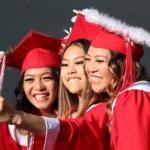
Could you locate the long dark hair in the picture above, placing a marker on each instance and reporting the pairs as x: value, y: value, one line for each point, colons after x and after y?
x: 22, y: 103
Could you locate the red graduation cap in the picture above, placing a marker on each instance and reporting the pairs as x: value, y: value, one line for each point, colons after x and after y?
x: 115, y: 42
x: 118, y: 36
x: 82, y: 29
x: 36, y: 50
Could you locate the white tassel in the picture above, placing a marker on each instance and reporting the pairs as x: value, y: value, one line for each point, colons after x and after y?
x: 2, y: 69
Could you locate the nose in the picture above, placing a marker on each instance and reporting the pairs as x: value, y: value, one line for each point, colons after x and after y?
x: 71, y: 69
x: 91, y: 67
x: 39, y: 86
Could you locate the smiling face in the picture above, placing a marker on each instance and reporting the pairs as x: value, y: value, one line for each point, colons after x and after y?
x: 40, y: 87
x: 72, y: 69
x: 97, y: 69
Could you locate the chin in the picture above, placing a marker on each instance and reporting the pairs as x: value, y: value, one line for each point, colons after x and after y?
x: 97, y: 90
x: 74, y: 91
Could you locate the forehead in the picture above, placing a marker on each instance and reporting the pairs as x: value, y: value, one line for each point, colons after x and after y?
x: 73, y: 51
x: 98, y: 52
x: 36, y: 71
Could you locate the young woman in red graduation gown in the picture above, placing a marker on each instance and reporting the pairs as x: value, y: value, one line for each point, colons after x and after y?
x: 36, y: 57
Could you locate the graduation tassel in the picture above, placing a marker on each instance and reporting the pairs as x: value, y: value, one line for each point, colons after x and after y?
x: 2, y: 69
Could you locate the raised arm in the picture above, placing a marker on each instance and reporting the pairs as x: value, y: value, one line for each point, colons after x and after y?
x: 69, y: 133
x: 27, y: 121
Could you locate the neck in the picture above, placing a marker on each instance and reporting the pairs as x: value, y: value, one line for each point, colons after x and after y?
x: 79, y: 107
x: 43, y: 112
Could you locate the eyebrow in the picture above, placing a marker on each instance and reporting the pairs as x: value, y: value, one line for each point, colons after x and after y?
x: 26, y: 75
x: 98, y: 56
x: 65, y: 59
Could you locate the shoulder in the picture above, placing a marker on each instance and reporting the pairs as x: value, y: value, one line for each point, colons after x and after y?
x: 141, y: 86
x: 136, y: 96
x: 130, y: 118
x: 97, y: 113
x: 97, y: 107
x: 137, y: 90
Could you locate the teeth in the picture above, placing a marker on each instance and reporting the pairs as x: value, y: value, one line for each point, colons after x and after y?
x: 95, y: 79
x: 73, y: 79
x: 40, y: 97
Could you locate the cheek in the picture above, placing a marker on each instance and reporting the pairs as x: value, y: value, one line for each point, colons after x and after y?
x: 26, y: 89
x: 63, y: 79
x: 52, y: 87
x: 104, y: 69
x: 64, y: 70
x: 81, y: 71
x: 54, y: 90
x: 108, y: 76
x: 86, y: 68
x: 28, y: 92
x: 63, y: 75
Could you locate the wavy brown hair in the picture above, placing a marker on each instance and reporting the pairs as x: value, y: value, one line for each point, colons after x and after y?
x: 117, y: 68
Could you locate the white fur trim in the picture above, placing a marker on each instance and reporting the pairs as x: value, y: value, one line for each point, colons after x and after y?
x: 141, y: 85
x: 136, y: 34
x: 52, y: 130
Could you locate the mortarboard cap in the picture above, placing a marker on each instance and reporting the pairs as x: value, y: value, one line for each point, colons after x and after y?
x: 120, y: 37
x: 36, y: 50
x: 82, y: 28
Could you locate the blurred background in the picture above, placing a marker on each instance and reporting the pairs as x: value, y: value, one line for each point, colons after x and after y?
x: 17, y: 17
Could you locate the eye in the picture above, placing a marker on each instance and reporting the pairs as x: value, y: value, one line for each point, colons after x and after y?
x: 87, y: 59
x: 28, y: 80
x: 80, y: 62
x: 47, y: 78
x: 64, y: 65
x: 100, y: 60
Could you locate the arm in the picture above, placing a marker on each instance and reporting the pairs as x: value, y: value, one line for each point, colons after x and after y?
x: 90, y: 129
x: 69, y: 133
x: 28, y: 121
x: 36, y: 124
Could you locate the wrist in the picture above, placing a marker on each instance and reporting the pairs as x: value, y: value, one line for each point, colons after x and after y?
x: 16, y: 118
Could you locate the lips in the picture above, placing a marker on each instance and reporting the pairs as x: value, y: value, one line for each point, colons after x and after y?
x: 73, y: 79
x: 95, y: 78
x: 41, y: 96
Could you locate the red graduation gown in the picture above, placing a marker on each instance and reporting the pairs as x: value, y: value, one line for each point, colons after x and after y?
x: 131, y: 119
x: 10, y: 142
x: 88, y: 132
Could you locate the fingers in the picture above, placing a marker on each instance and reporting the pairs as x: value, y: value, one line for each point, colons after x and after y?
x: 5, y: 110
x: 2, y: 104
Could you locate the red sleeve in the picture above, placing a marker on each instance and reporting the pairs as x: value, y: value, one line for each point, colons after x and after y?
x: 87, y: 132
x: 6, y: 141
x: 131, y: 121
